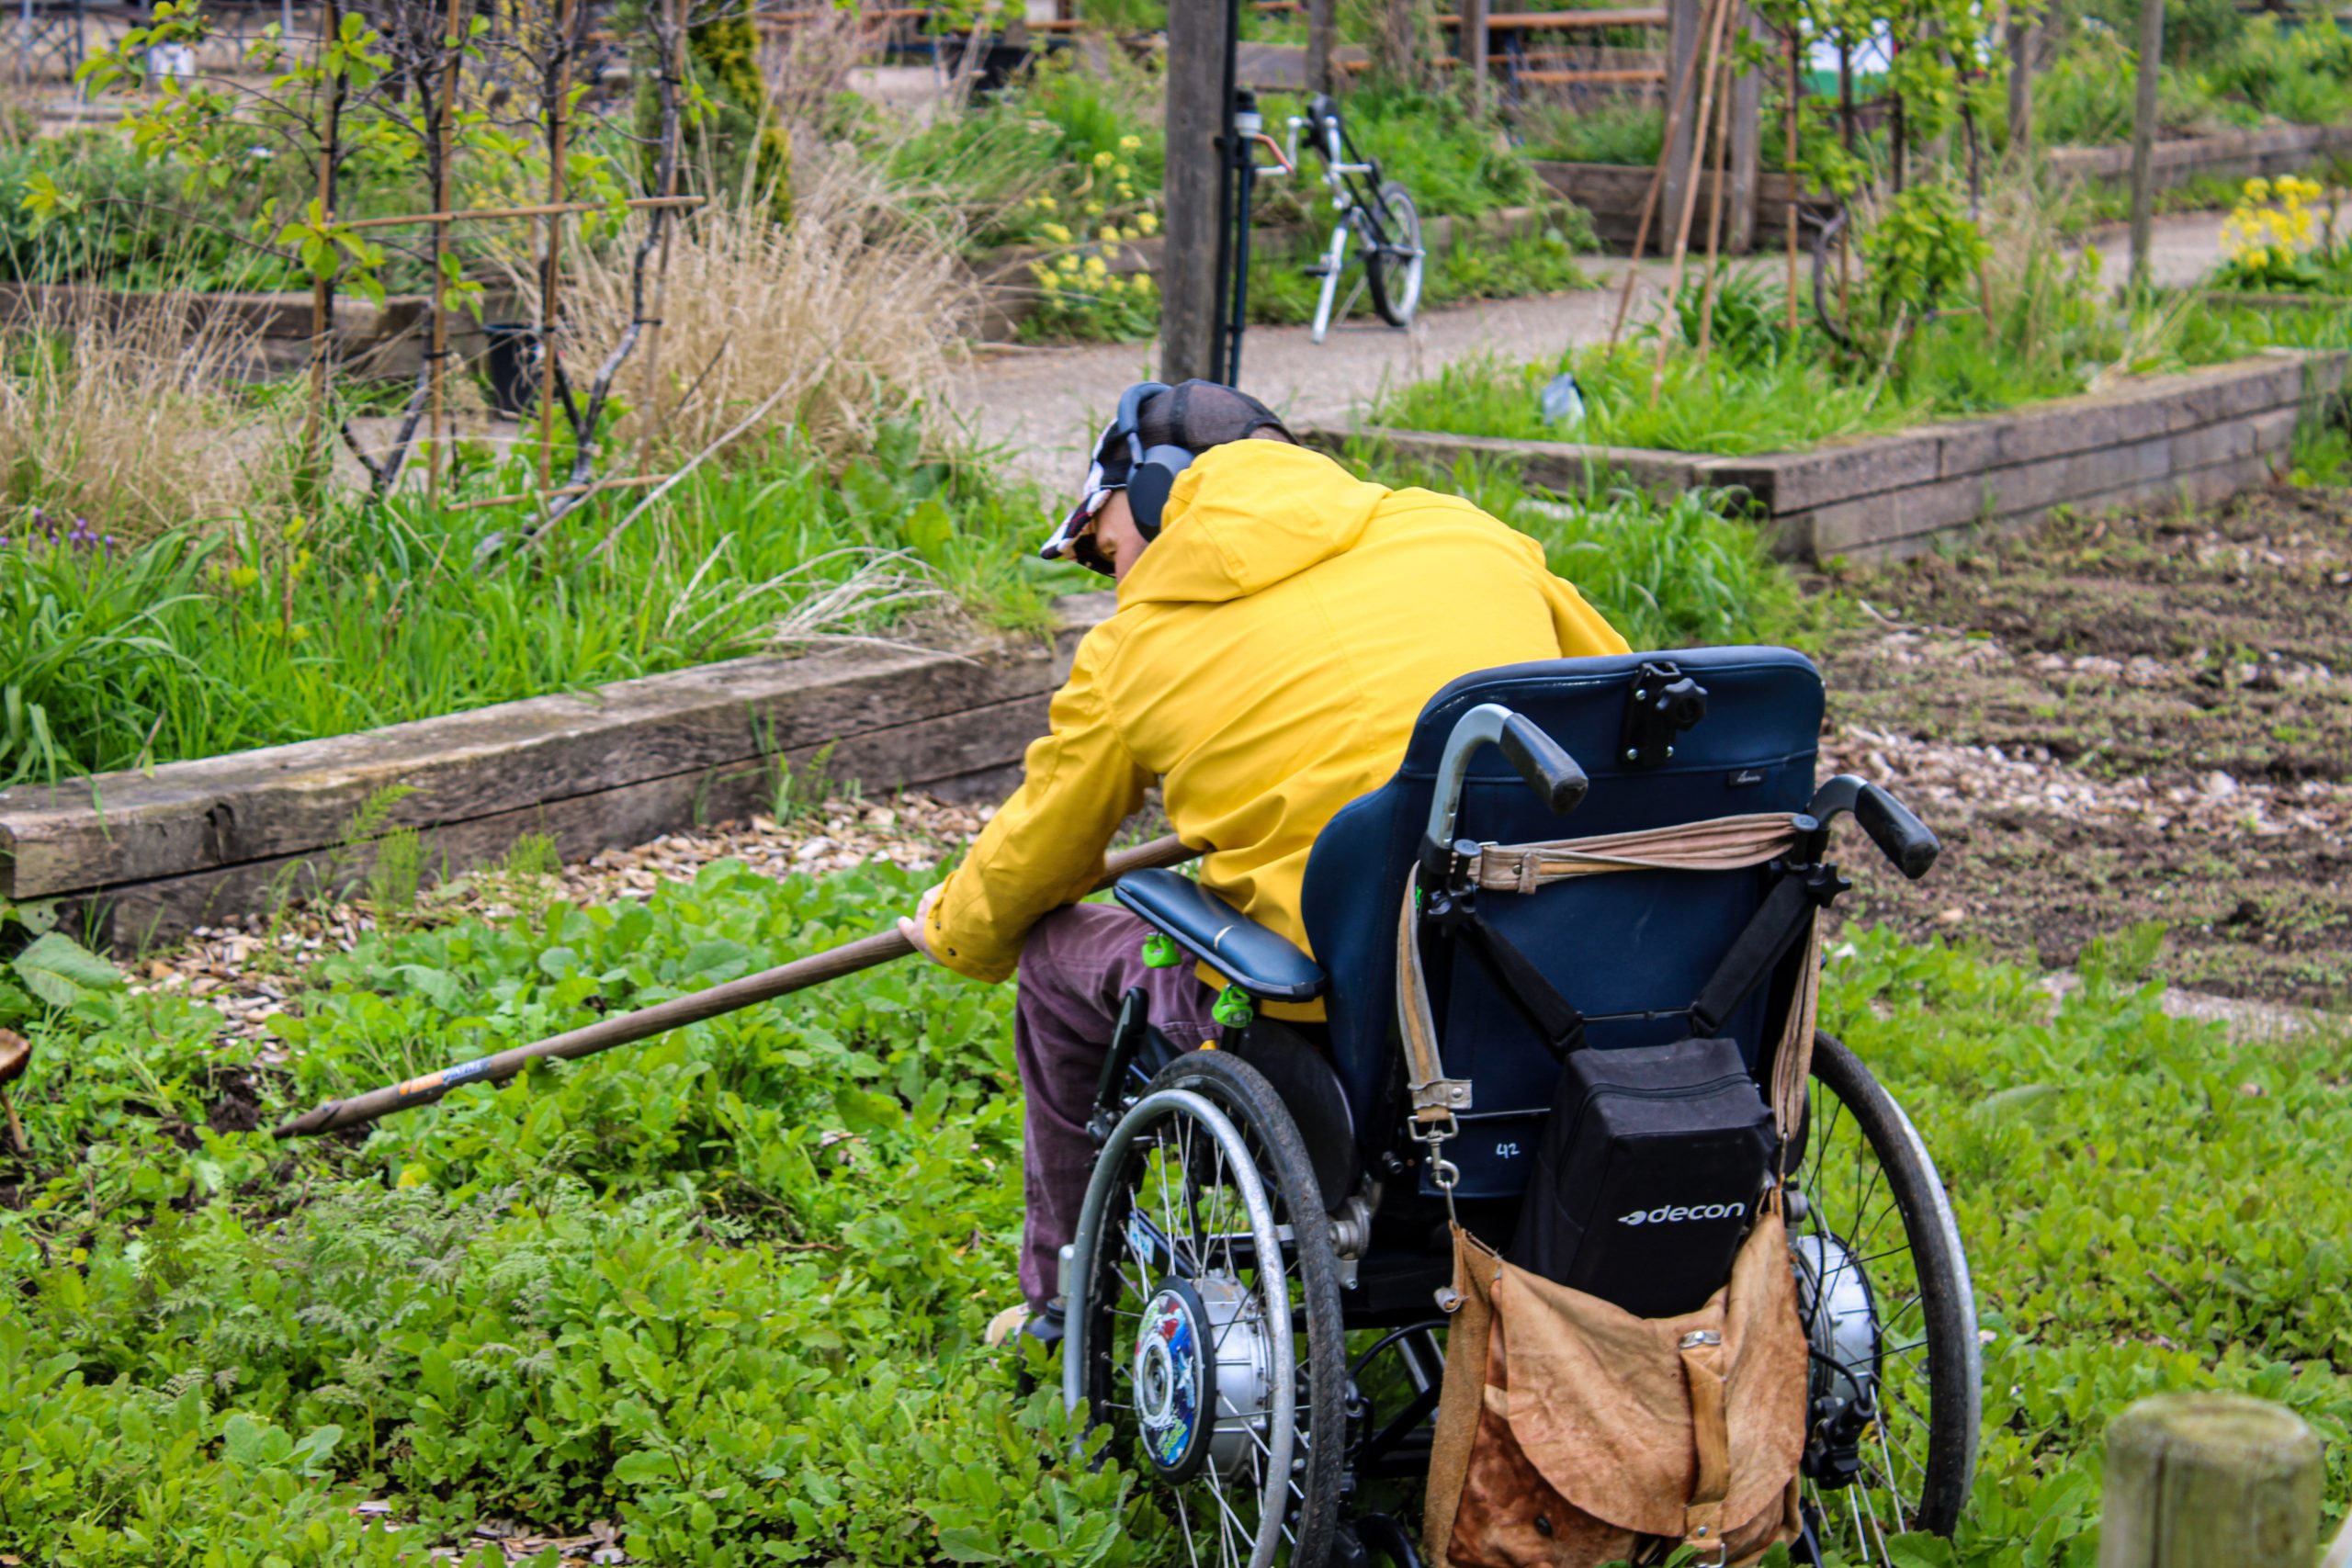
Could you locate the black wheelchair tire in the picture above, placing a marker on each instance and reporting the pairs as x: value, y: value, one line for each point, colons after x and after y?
x: 1955, y: 1375
x: 1321, y: 1374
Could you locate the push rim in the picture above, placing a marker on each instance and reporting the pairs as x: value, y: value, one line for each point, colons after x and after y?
x: 1180, y: 1200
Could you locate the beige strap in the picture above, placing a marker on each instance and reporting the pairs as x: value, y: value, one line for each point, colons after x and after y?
x: 1702, y: 1372
x: 1462, y: 1394
x: 1721, y: 843
x: 1793, y: 1060
x: 1435, y: 1097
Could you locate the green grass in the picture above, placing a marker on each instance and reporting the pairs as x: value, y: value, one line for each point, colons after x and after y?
x: 184, y: 647
x: 726, y: 1287
x: 1626, y: 133
x: 1760, y: 393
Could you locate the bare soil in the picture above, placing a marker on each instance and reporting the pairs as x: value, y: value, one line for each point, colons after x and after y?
x: 2143, y: 719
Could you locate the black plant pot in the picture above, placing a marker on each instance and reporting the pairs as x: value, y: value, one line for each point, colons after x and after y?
x: 510, y: 366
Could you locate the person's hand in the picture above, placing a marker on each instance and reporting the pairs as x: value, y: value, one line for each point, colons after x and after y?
x: 915, y: 927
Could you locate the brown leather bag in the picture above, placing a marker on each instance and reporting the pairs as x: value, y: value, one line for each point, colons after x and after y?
x: 1571, y: 1433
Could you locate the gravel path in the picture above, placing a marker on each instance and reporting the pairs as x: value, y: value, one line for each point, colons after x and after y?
x: 1043, y: 405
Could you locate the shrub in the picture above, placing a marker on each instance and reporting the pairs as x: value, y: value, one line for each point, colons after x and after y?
x: 828, y: 328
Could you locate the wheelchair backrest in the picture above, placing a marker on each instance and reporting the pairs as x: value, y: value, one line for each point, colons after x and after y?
x: 1638, y: 944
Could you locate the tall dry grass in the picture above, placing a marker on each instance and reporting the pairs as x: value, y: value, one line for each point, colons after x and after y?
x: 119, y: 408
x: 838, y: 322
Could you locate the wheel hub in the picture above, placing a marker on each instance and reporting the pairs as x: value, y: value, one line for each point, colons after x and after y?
x: 1202, y: 1371
x: 1840, y: 1315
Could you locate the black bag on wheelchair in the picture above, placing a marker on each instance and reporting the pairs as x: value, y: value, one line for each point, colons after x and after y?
x: 1648, y: 1176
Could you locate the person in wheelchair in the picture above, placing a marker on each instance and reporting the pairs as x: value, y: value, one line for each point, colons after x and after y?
x: 1279, y: 625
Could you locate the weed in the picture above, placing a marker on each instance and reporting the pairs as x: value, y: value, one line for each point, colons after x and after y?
x: 396, y: 874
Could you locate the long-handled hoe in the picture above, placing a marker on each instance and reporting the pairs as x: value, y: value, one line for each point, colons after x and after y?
x: 626, y: 1028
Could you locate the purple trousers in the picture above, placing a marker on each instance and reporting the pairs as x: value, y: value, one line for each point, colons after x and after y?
x: 1075, y: 967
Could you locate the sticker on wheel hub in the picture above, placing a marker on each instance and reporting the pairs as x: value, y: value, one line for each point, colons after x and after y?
x: 1175, y: 1378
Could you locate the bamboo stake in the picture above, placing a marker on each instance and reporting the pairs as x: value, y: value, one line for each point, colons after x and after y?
x: 454, y: 42
x: 635, y: 482
x: 676, y: 66
x: 551, y: 278
x: 321, y: 289
x: 1797, y: 88
x: 628, y: 1028
x: 537, y: 210
x: 1677, y: 104
x: 1715, y: 211
x: 1691, y: 188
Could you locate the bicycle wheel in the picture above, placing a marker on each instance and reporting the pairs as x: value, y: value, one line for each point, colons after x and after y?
x: 1883, y: 1292
x: 1204, y: 1316
x: 1392, y: 265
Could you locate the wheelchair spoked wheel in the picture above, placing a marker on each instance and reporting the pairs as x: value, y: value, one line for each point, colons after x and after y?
x: 1204, y: 1316
x: 1883, y: 1292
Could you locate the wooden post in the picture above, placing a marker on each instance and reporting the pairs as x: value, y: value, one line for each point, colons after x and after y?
x: 1472, y: 47
x: 2209, y: 1480
x: 1190, y: 303
x: 1707, y: 75
x: 1685, y: 21
x: 2020, y: 89
x: 1745, y: 111
x: 2144, y: 141
x: 1400, y: 39
x: 1715, y: 200
x: 1796, y: 91
x: 1321, y: 24
x: 315, y: 428
x: 673, y: 60
x: 551, y: 275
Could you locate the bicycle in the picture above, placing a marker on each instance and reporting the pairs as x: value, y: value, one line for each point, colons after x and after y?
x: 1378, y: 211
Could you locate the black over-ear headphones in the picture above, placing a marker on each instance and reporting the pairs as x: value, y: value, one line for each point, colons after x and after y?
x: 1151, y: 470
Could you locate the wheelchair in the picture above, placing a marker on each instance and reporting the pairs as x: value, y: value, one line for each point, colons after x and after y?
x: 1251, y: 1297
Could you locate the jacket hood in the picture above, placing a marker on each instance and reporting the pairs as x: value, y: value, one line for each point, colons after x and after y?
x: 1245, y: 517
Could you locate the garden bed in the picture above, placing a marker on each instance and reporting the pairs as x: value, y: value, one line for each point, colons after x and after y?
x: 2200, y: 435
x: 1612, y: 194
x: 2133, y: 720
x: 140, y: 857
x: 273, y: 330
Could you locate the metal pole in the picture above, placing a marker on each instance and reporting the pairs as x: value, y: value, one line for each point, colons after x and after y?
x: 2144, y: 141
x: 1242, y: 154
x: 628, y: 1028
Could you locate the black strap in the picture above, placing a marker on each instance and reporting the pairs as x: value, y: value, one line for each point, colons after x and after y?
x: 1775, y: 927
x: 1559, y: 1023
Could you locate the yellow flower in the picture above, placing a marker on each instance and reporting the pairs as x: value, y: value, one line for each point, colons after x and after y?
x: 2257, y: 258
x: 1047, y: 202
x: 1104, y: 160
x: 2257, y: 189
x: 1130, y: 144
x: 1146, y: 284
x: 1095, y: 267
x: 1067, y: 264
x: 1147, y: 224
x: 1057, y: 232
x: 1127, y: 191
x: 1094, y: 210
x: 1120, y: 171
x: 1111, y: 235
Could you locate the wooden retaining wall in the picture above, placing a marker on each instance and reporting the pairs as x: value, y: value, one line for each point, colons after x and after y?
x: 371, y: 341
x: 2200, y: 437
x: 144, y: 857
x: 2230, y: 155
x: 1613, y: 193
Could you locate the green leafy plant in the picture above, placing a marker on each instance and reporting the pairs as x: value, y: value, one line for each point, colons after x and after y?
x: 1922, y: 249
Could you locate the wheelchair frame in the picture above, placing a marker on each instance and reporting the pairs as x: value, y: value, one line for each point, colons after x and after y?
x: 1312, y: 1424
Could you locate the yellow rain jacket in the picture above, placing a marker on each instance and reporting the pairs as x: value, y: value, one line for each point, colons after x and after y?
x: 1269, y: 655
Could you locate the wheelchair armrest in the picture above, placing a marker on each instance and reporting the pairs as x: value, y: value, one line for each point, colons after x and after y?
x: 1267, y: 966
